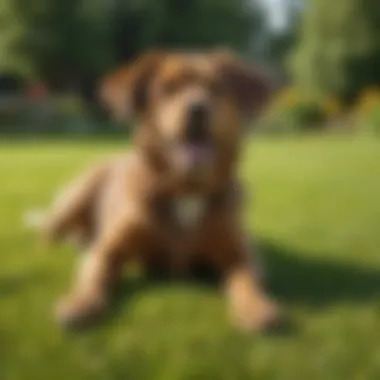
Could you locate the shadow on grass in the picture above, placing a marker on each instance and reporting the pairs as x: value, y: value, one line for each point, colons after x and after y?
x: 296, y: 278
x: 200, y: 278
x: 11, y: 285
x: 293, y: 277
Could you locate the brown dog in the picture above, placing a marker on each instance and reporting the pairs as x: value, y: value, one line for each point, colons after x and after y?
x: 174, y: 199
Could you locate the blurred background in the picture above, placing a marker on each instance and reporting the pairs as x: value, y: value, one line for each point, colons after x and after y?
x: 312, y: 175
x: 324, y: 56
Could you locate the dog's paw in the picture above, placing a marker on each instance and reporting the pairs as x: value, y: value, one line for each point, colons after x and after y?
x: 78, y: 311
x: 260, y: 316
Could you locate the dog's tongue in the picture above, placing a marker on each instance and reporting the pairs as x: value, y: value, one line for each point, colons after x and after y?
x: 194, y: 154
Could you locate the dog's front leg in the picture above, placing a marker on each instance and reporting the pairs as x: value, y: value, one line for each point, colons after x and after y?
x: 100, y: 268
x: 250, y: 305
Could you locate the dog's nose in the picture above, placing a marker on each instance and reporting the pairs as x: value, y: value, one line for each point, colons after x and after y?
x: 197, y: 122
x: 198, y: 111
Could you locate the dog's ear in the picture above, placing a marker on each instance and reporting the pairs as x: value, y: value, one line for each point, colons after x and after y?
x: 250, y: 88
x: 113, y: 95
x: 126, y: 92
x: 142, y: 72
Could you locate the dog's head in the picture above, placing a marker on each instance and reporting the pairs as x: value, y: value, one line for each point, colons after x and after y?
x: 191, y: 107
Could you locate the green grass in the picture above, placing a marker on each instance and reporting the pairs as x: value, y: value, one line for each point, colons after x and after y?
x: 316, y: 212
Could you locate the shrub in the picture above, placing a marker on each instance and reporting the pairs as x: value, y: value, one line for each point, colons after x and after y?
x: 57, y: 115
x: 366, y: 112
x: 291, y: 112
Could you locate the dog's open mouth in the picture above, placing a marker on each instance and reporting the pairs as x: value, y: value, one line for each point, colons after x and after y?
x: 191, y: 156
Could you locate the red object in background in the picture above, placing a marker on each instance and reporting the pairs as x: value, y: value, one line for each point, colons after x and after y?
x: 37, y: 91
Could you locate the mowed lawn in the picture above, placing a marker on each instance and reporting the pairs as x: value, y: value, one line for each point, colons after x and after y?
x: 315, y: 209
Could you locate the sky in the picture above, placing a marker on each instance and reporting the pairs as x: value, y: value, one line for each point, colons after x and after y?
x: 277, y: 13
x: 277, y: 10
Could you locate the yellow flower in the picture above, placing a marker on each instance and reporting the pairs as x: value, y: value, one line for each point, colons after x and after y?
x: 368, y: 100
x: 287, y: 97
x: 332, y: 107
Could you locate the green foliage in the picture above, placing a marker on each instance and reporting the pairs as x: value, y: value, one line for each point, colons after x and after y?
x: 280, y: 43
x: 297, y: 118
x: 58, y: 115
x: 64, y: 41
x: 14, y: 116
x: 56, y: 40
x: 142, y: 24
x: 291, y: 111
x: 339, y: 48
x: 369, y: 122
x: 365, y: 115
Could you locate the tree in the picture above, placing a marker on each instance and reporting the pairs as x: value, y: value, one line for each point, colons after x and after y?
x: 70, y: 43
x: 56, y: 41
x: 142, y: 24
x: 339, y: 48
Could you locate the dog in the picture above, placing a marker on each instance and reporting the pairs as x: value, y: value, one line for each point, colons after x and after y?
x: 173, y: 199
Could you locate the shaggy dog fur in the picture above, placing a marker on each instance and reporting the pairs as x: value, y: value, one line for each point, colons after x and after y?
x: 173, y: 200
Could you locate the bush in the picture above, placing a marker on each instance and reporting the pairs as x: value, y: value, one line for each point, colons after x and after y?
x: 20, y: 114
x: 367, y: 112
x: 292, y: 112
x: 57, y: 115
x: 12, y: 113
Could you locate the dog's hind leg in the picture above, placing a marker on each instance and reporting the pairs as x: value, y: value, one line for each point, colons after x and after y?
x: 71, y: 214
